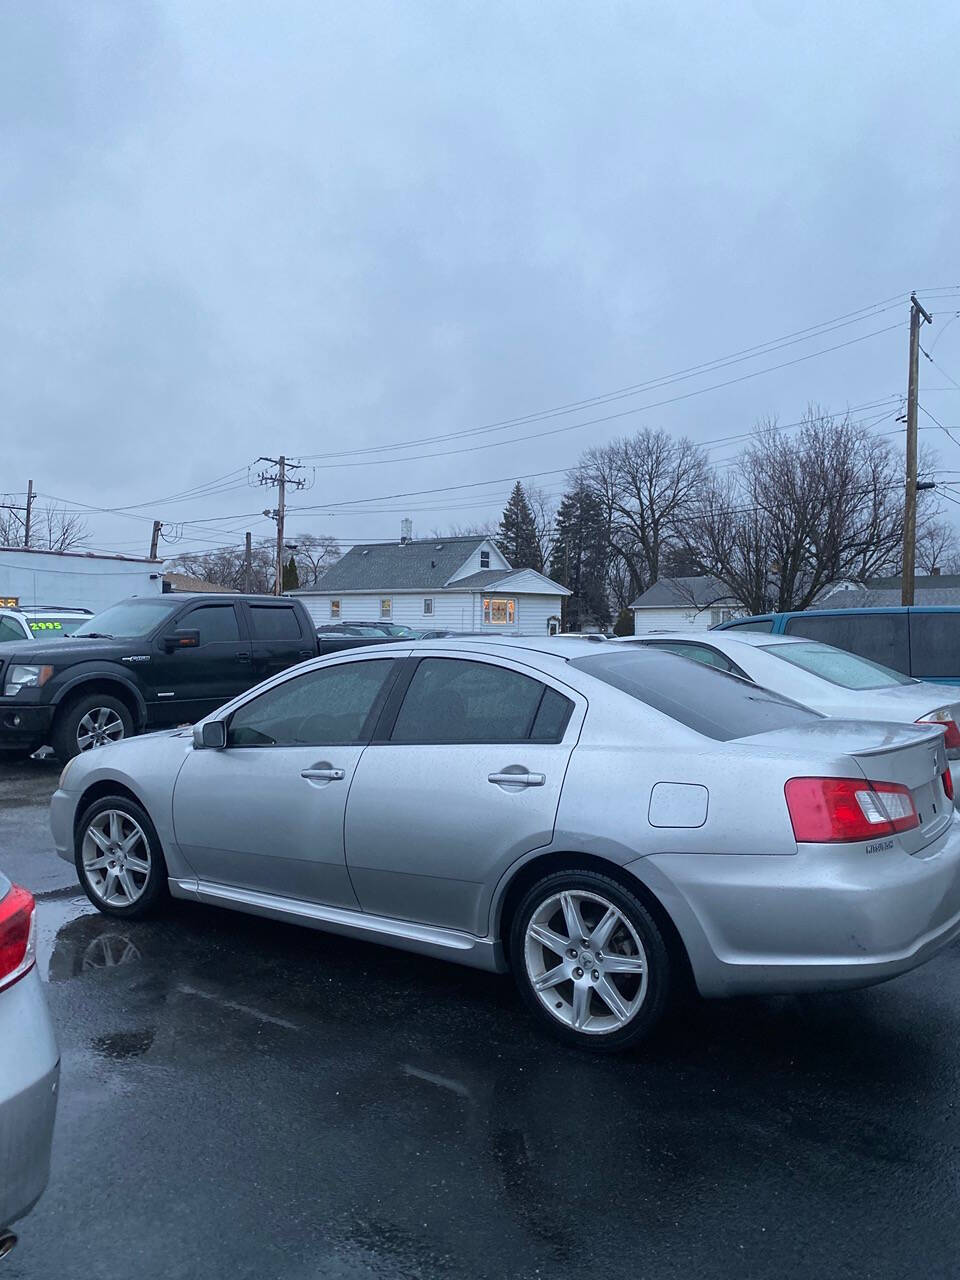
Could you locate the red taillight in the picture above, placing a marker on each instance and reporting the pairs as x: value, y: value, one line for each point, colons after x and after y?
x: 947, y: 779
x: 943, y: 719
x: 828, y: 810
x: 16, y: 936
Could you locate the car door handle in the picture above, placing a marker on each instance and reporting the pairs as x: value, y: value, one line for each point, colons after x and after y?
x: 517, y: 779
x: 323, y: 775
x: 243, y: 657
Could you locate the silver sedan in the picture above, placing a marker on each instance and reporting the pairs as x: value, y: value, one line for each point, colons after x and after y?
x: 602, y: 820
x: 29, y: 1065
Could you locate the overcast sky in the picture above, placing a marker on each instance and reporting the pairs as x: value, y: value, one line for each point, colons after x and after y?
x: 234, y: 228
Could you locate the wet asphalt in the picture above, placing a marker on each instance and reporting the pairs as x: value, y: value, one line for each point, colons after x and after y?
x: 242, y: 1098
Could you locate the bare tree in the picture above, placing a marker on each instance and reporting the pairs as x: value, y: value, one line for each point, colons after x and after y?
x: 938, y: 550
x: 225, y: 566
x: 486, y: 530
x: 798, y: 512
x: 51, y: 528
x: 314, y: 553
x: 648, y: 484
x: 544, y: 510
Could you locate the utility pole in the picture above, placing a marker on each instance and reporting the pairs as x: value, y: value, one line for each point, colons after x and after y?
x: 908, y: 572
x: 248, y: 564
x: 155, y: 538
x: 26, y: 518
x: 279, y: 480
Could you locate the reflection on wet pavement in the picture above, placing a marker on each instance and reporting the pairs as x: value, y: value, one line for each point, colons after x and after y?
x: 301, y: 1105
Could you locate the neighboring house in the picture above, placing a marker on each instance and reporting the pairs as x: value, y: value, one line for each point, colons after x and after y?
x: 683, y: 604
x: 450, y: 584
x: 74, y: 579
x: 882, y: 593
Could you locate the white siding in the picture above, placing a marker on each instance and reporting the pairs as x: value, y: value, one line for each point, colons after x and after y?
x: 452, y: 611
x: 676, y: 620
x: 472, y: 563
x: 87, y: 582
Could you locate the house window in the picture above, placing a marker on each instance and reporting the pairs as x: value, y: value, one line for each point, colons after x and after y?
x: 334, y: 608
x: 499, y: 612
x: 386, y: 607
x: 428, y: 606
x: 720, y: 615
x: 484, y: 559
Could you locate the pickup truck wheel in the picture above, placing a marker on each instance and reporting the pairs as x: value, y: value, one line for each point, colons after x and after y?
x: 90, y: 721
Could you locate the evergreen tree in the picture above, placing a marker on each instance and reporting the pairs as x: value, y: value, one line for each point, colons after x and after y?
x: 517, y: 535
x: 579, y: 559
x: 291, y: 577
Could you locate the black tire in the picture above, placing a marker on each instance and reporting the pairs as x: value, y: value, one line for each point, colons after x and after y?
x: 153, y: 889
x: 67, y: 724
x: 643, y: 994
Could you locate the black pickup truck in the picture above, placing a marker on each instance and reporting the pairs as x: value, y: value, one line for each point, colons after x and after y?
x: 145, y: 663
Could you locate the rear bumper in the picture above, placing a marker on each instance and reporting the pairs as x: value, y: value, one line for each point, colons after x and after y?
x: 827, y: 918
x: 26, y: 1135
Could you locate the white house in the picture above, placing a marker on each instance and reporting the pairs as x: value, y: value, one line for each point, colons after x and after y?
x: 683, y: 604
x: 448, y: 584
x: 77, y: 579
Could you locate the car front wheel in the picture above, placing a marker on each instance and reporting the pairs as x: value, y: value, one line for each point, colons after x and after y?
x: 91, y: 721
x: 590, y: 961
x: 119, y: 859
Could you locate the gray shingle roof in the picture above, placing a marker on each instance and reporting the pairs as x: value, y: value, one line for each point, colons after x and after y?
x: 482, y: 578
x: 425, y: 564
x: 691, y: 593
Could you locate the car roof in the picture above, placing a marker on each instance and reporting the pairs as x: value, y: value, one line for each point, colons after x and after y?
x: 560, y: 648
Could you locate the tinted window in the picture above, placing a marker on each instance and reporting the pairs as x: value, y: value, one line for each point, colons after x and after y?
x: 698, y: 653
x: 765, y: 625
x: 328, y: 705
x: 274, y: 622
x: 848, y: 670
x: 9, y: 630
x: 881, y: 637
x: 935, y: 646
x: 551, y: 720
x: 452, y: 700
x: 214, y: 622
x: 129, y: 619
x: 711, y: 702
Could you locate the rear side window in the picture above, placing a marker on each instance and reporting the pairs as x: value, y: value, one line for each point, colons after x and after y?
x: 214, y: 622
x: 697, y: 653
x: 935, y: 646
x: 710, y: 702
x: 274, y: 622
x: 454, y: 700
x: 880, y: 637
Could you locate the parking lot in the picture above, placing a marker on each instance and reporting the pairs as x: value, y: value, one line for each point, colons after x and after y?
x: 240, y: 1098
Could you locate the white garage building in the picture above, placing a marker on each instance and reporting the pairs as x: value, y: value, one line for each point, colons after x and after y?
x: 75, y: 579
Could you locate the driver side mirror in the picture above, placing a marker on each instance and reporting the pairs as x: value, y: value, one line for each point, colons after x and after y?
x: 182, y: 638
x: 211, y: 735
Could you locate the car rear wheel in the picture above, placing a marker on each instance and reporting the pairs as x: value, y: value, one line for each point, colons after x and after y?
x: 91, y: 721
x: 590, y: 961
x: 118, y: 857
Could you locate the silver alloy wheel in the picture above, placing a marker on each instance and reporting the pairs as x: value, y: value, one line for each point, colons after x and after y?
x: 116, y: 858
x: 99, y: 726
x: 586, y: 962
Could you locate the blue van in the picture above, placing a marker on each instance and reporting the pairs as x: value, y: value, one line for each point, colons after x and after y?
x: 922, y: 641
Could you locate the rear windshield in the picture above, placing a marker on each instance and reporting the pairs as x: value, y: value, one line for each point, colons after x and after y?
x: 711, y: 702
x: 848, y: 670
x: 50, y: 626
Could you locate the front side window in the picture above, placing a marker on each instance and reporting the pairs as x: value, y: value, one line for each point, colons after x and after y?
x: 499, y: 612
x: 711, y: 702
x: 334, y: 608
x: 386, y: 607
x: 274, y: 622
x: 454, y: 700
x: 215, y: 622
x: 848, y: 670
x: 322, y: 707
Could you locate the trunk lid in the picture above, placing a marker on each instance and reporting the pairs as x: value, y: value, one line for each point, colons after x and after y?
x: 912, y: 756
